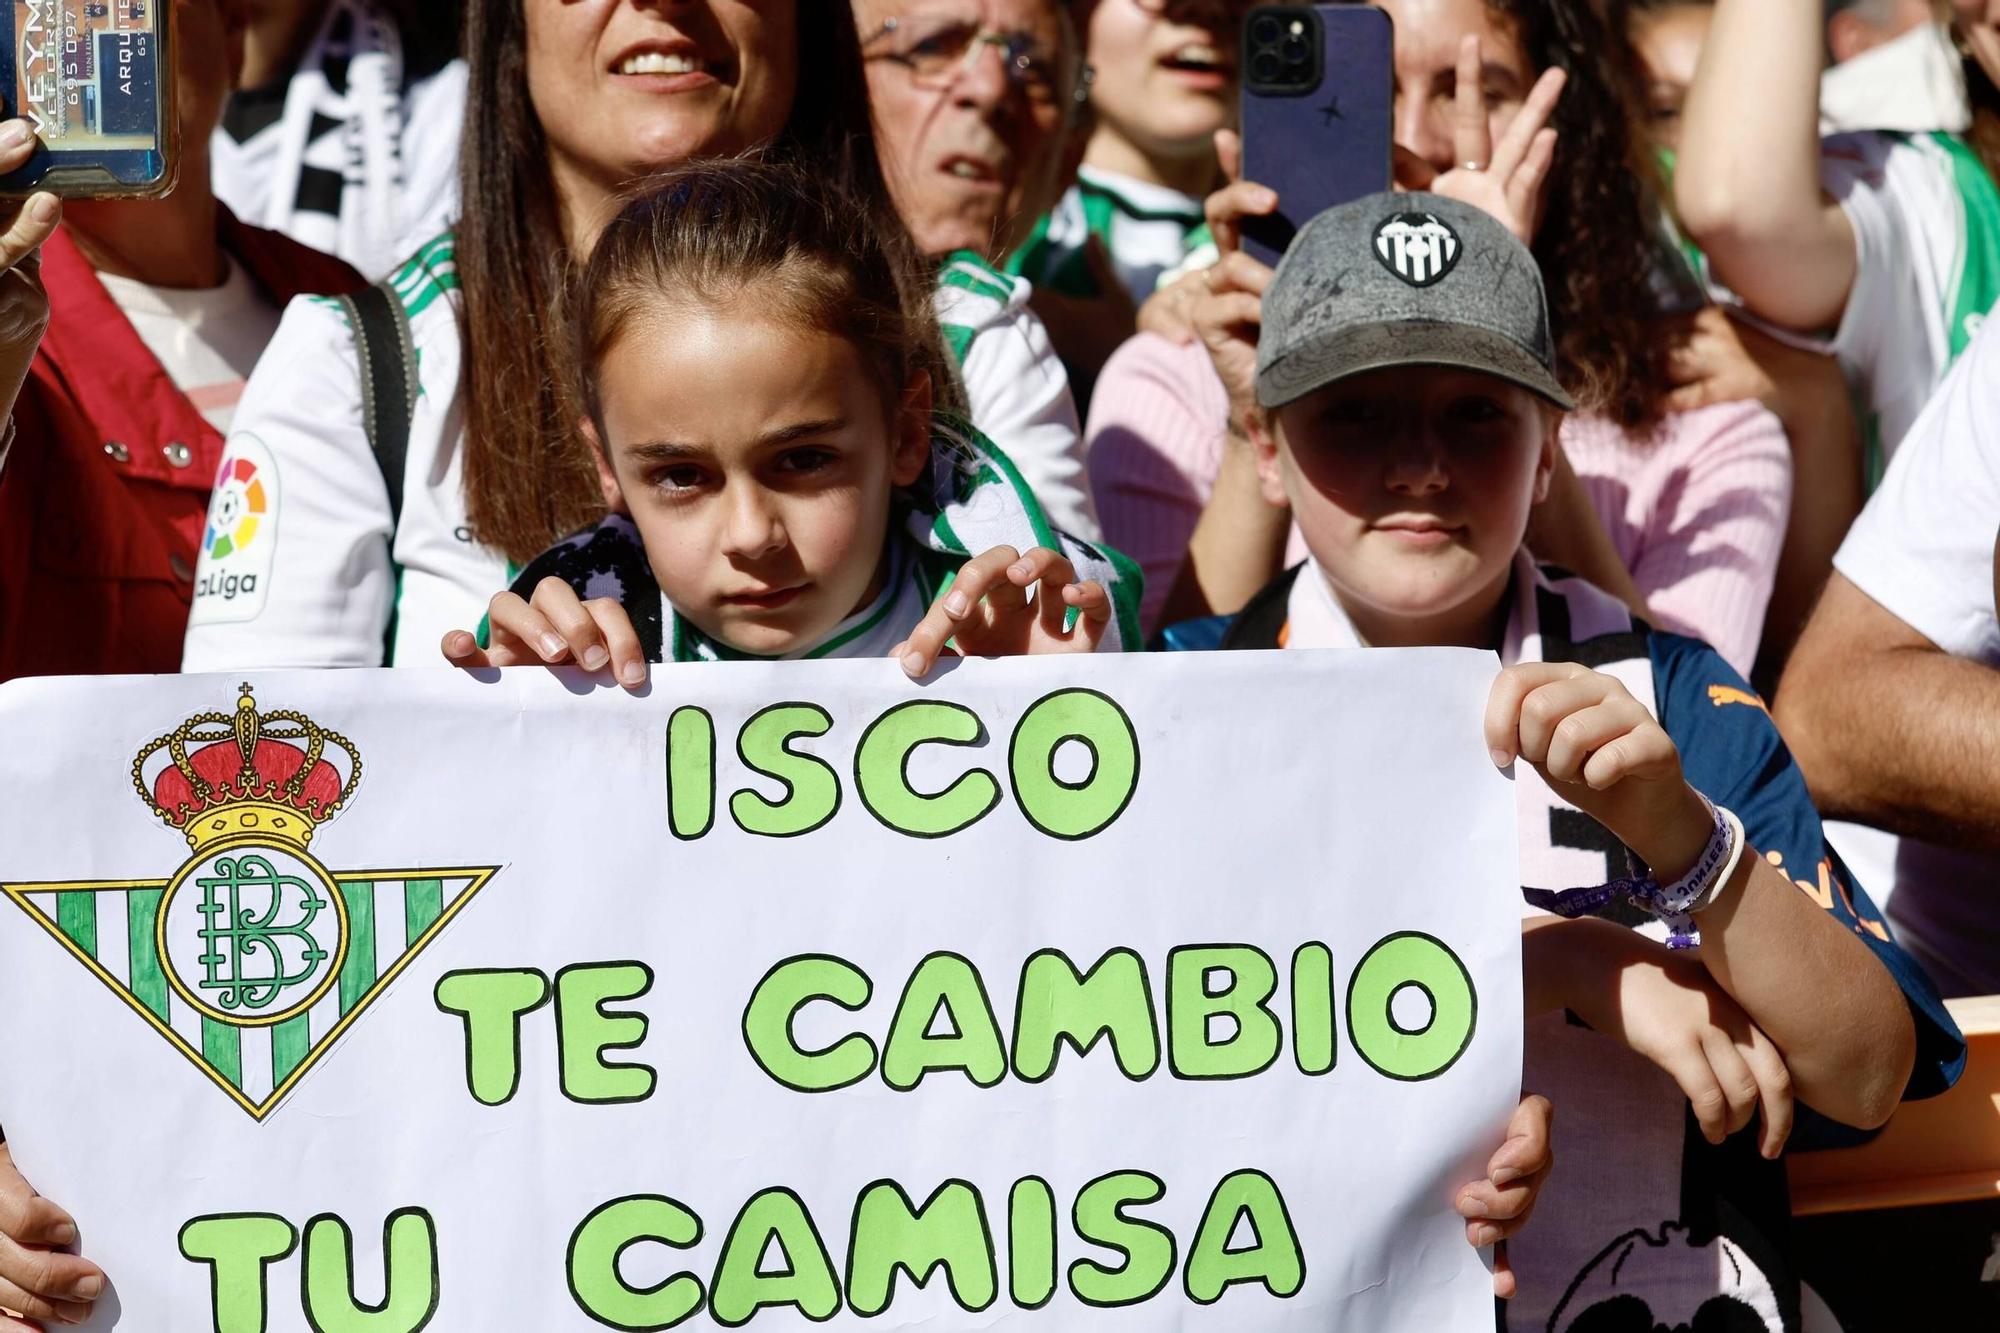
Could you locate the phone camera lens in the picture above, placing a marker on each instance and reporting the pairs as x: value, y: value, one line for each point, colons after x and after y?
x: 1264, y: 67
x: 1266, y: 30
x: 1294, y: 50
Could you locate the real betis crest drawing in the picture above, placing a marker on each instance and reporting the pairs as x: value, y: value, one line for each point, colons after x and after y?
x: 253, y: 957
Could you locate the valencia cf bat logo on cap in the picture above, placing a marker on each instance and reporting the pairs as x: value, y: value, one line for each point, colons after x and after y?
x: 1417, y: 247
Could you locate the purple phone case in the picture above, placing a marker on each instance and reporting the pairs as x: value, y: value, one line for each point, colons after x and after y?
x: 1334, y: 142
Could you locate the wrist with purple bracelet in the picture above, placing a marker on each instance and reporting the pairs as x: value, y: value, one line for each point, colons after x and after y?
x: 1677, y: 903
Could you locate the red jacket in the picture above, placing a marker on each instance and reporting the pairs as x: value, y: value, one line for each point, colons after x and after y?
x: 105, y: 489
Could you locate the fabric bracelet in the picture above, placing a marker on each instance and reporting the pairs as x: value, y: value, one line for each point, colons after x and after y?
x: 1675, y: 904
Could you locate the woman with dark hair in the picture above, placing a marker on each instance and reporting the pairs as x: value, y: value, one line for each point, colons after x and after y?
x: 354, y: 557
x: 552, y: 86
x: 1528, y: 110
x: 1598, y: 195
x: 567, y: 103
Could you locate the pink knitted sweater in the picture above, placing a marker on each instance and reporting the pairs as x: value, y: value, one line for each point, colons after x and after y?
x: 1697, y: 512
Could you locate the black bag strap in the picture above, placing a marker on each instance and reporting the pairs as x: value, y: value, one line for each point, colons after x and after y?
x: 388, y: 357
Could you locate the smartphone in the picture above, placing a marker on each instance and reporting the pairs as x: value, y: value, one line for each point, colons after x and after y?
x: 95, y: 79
x: 1318, y: 104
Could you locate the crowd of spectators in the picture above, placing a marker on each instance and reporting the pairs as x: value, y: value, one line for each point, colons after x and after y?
x: 1742, y: 444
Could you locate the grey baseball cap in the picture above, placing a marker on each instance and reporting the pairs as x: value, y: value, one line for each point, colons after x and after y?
x: 1404, y: 280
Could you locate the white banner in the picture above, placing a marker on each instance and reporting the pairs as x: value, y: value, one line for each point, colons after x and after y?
x: 1138, y: 993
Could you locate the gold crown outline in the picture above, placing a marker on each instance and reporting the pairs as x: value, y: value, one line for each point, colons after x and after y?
x: 245, y: 799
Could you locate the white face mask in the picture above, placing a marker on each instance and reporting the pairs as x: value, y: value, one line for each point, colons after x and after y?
x: 1913, y: 85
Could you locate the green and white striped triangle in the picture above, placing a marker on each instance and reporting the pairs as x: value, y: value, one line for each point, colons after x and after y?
x: 110, y: 927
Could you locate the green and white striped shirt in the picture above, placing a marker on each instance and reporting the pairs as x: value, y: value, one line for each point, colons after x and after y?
x: 1926, y: 220
x: 1144, y: 228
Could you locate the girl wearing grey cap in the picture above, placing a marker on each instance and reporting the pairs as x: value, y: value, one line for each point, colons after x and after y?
x: 1411, y: 406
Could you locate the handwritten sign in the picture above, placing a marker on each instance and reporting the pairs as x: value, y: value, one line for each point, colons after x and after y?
x: 1047, y: 992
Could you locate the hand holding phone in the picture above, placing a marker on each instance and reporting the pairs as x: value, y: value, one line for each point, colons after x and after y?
x: 94, y: 81
x: 24, y: 225
x: 24, y: 303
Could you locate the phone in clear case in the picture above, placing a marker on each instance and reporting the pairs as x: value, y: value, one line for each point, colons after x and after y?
x: 95, y: 80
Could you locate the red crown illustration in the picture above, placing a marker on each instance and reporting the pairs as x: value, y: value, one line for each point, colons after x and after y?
x: 261, y: 773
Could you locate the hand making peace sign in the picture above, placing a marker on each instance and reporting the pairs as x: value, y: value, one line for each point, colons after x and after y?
x: 1505, y: 179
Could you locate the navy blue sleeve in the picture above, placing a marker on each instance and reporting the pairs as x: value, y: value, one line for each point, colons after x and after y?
x: 1732, y: 753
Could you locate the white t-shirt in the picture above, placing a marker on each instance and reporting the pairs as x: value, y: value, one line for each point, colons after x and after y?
x: 1923, y: 549
x: 207, y: 340
x: 321, y: 585
x: 1016, y: 386
x: 362, y: 160
x: 1915, y: 83
x: 1926, y: 241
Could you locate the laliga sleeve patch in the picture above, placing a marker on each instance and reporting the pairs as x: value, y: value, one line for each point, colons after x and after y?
x: 233, y: 575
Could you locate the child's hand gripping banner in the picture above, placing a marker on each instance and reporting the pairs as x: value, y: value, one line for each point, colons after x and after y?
x: 1147, y: 993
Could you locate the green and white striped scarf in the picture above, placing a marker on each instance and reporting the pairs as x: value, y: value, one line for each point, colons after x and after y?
x: 1146, y: 230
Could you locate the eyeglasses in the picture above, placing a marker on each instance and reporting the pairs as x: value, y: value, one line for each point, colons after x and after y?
x: 938, y: 48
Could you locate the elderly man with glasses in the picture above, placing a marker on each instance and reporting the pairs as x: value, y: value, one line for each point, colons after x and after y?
x: 975, y: 103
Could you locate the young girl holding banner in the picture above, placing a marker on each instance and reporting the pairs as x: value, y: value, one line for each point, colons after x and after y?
x: 1409, y: 379
x: 758, y: 372
x: 759, y: 366
x: 803, y: 501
